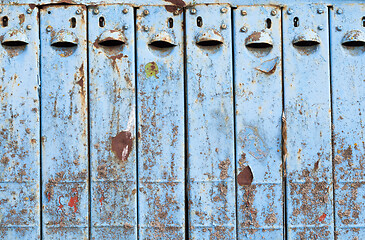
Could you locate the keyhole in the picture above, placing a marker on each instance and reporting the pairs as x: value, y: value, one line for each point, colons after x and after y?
x: 268, y: 23
x: 170, y: 23
x: 296, y: 22
x: 363, y: 21
x: 101, y: 22
x: 199, y: 21
x: 5, y: 21
x: 73, y: 22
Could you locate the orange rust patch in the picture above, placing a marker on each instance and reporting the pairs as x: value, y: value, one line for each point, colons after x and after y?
x: 245, y: 177
x: 122, y: 145
x: 21, y: 18
x: 322, y: 217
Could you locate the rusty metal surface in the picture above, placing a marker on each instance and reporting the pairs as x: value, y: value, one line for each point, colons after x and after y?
x: 19, y: 125
x: 308, y: 122
x: 160, y: 84
x: 64, y: 124
x: 258, y: 109
x: 347, y: 61
x: 210, y: 138
x: 112, y: 122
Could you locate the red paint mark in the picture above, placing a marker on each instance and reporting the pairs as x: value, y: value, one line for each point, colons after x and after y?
x: 321, y: 218
x: 74, y: 199
x: 49, y: 196
x: 102, y: 198
x: 60, y: 207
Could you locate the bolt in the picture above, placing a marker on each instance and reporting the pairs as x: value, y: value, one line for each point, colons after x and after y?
x: 320, y: 27
x: 176, y: 12
x: 146, y: 12
x: 290, y: 11
x: 273, y: 12
x: 125, y: 10
x: 49, y: 28
x: 243, y: 13
x: 320, y: 11
x: 29, y: 11
x: 339, y: 11
x: 29, y: 27
x: 223, y: 26
x: 223, y: 10
x: 78, y: 11
x: 193, y: 11
x: 125, y: 27
x: 146, y: 29
x: 243, y: 29
x: 96, y: 11
x: 339, y: 28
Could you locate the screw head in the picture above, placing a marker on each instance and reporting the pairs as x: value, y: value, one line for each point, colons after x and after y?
x: 290, y: 11
x: 29, y: 11
x: 176, y: 12
x: 273, y: 12
x: 339, y: 28
x: 320, y: 11
x: 243, y: 12
x: 224, y: 10
x: 125, y: 27
x: 320, y: 27
x: 243, y: 29
x: 78, y: 11
x: 193, y: 11
x: 224, y: 26
x: 339, y: 11
x: 29, y: 27
x: 96, y: 11
x: 49, y: 28
x: 146, y: 29
x: 146, y: 12
x: 125, y: 10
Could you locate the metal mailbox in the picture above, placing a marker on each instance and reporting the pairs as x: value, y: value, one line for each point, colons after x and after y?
x: 64, y: 122
x: 112, y: 127
x: 19, y: 123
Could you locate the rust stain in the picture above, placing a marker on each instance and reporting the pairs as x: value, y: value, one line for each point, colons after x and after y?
x: 179, y: 3
x: 122, y: 145
x: 254, y: 37
x: 32, y: 6
x: 102, y: 198
x: 322, y: 217
x: 347, y: 154
x: 245, y: 177
x: 316, y: 165
x: 151, y: 69
x: 223, y: 166
x: 60, y: 207
x: 74, y: 199
x: 119, y: 56
x: 21, y: 18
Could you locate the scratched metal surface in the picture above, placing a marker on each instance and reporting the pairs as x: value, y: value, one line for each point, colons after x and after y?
x: 112, y: 122
x: 211, y: 162
x: 19, y: 124
x: 258, y: 108
x: 64, y: 123
x: 160, y: 86
x: 348, y: 102
x: 308, y: 122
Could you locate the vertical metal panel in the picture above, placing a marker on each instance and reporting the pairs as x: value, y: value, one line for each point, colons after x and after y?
x: 258, y: 98
x: 210, y: 123
x: 160, y: 84
x: 112, y: 121
x: 348, y: 102
x: 308, y: 121
x: 19, y: 124
x: 64, y: 122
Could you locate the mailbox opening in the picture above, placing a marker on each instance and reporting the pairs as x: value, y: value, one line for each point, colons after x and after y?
x: 354, y: 38
x: 15, y: 43
x: 161, y: 44
x: 63, y: 44
x: 306, y: 43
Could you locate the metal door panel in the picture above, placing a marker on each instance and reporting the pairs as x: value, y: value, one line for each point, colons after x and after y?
x: 160, y: 84
x: 258, y: 108
x: 348, y: 101
x: 112, y: 122
x: 19, y: 123
x: 210, y: 138
x: 64, y: 122
x: 308, y: 122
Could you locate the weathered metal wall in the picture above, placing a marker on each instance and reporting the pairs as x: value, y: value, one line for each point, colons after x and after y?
x: 164, y: 122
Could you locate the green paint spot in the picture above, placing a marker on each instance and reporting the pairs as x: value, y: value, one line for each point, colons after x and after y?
x: 151, y: 69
